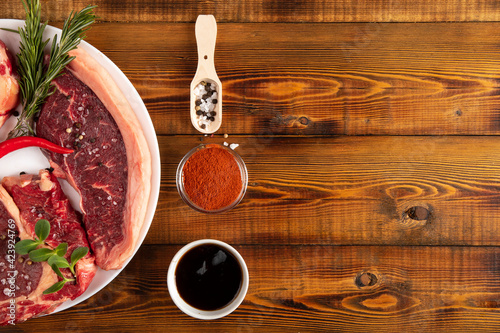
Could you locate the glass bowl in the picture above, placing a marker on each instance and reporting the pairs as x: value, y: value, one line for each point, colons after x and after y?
x: 180, y: 178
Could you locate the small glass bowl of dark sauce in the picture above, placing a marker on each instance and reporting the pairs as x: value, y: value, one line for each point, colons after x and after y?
x: 207, y: 279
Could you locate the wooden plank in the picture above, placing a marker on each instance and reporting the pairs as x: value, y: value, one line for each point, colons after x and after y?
x: 345, y: 190
x: 309, y: 289
x: 271, y: 11
x: 354, y: 79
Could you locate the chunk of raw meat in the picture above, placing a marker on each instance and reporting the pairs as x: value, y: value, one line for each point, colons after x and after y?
x: 111, y: 167
x: 9, y: 88
x: 30, y: 199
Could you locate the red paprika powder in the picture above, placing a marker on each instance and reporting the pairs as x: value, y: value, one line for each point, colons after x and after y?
x: 212, y: 178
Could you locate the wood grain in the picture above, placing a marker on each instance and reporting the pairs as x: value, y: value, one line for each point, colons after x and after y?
x: 271, y: 11
x: 352, y: 79
x: 308, y: 289
x: 370, y: 130
x: 345, y: 190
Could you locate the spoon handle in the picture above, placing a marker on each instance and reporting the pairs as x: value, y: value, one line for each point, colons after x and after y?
x: 206, y: 35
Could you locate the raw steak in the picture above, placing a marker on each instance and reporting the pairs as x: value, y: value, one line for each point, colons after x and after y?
x: 9, y: 88
x: 111, y: 167
x: 23, y: 281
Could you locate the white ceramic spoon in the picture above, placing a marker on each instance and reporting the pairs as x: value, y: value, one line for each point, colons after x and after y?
x: 206, y: 34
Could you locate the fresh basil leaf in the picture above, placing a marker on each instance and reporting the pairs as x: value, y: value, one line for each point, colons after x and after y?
x: 25, y: 246
x: 42, y: 254
x: 57, y: 270
x: 60, y: 262
x: 61, y: 249
x: 42, y: 229
x: 55, y: 287
x: 78, y: 254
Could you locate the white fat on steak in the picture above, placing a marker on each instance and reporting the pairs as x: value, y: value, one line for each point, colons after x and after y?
x: 9, y: 88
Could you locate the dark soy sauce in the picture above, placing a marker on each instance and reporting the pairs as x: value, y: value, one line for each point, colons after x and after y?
x: 208, y: 277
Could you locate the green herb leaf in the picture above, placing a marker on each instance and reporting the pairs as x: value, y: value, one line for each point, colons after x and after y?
x: 57, y: 270
x: 42, y: 254
x: 42, y: 229
x: 61, y: 249
x: 25, y: 246
x: 78, y: 254
x: 55, y: 287
x: 60, y: 262
x: 55, y: 258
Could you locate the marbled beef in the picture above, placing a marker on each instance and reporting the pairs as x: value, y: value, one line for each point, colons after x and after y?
x: 9, y: 88
x: 111, y: 166
x: 23, y: 201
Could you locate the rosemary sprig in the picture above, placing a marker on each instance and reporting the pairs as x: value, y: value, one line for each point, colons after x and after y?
x: 35, y: 77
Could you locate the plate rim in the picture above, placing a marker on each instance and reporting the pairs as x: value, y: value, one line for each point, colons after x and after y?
x: 147, y: 126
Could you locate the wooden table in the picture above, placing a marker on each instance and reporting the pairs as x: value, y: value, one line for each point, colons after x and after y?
x: 370, y: 132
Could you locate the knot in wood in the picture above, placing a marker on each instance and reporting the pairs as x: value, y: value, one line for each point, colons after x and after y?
x: 365, y: 279
x: 415, y: 216
x: 304, y: 121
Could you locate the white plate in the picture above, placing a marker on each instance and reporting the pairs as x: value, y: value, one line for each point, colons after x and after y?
x: 30, y: 160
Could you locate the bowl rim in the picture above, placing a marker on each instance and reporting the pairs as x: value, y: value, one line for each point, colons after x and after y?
x: 204, y: 314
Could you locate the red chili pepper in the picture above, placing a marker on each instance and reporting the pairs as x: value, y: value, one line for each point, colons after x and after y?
x: 13, y: 144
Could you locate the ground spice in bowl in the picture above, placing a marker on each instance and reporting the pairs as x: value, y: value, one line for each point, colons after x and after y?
x: 212, y: 178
